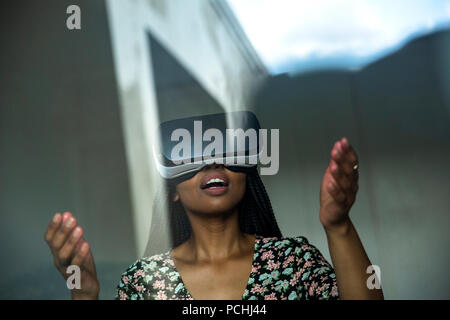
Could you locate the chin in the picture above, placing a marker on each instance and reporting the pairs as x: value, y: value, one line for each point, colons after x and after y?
x: 217, y: 207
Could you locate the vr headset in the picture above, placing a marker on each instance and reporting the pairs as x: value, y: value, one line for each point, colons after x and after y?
x: 187, y: 145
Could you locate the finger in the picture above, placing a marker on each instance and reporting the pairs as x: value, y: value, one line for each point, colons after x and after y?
x: 342, y: 157
x: 67, y: 251
x: 351, y: 192
x: 347, y: 148
x: 354, y: 187
x: 81, y: 253
x: 352, y: 196
x: 339, y: 176
x: 52, y: 227
x: 66, y: 215
x: 350, y: 188
x: 335, y: 191
x: 63, y: 232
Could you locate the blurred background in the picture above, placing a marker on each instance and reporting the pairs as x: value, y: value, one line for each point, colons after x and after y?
x: 78, y: 109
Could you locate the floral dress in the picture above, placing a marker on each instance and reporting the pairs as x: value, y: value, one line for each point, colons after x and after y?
x: 286, y: 268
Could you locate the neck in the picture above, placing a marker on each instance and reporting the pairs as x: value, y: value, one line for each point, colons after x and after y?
x: 217, y: 237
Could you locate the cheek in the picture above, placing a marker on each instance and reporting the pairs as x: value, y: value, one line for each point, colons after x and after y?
x: 239, y: 186
x: 187, y: 192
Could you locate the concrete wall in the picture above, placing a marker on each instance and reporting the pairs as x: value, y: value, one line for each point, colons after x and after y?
x: 61, y: 146
x: 174, y: 59
x: 396, y: 114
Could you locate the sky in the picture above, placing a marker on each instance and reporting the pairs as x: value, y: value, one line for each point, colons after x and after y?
x: 300, y: 35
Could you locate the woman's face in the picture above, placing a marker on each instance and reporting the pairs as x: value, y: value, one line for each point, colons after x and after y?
x: 213, y: 190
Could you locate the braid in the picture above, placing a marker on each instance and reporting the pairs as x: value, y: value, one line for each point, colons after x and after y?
x: 180, y: 227
x: 262, y: 219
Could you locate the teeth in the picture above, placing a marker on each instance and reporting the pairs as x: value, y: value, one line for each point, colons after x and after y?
x: 215, y: 180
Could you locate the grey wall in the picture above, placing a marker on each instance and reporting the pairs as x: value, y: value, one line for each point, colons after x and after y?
x: 61, y: 146
x: 396, y: 114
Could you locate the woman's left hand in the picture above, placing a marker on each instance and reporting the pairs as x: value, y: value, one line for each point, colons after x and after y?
x: 339, y: 185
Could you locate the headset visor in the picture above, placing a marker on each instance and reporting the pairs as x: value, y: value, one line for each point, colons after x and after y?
x: 189, y: 144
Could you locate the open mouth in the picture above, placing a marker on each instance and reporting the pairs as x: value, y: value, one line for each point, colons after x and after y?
x: 213, y: 183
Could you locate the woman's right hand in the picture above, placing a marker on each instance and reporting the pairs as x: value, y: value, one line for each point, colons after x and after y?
x: 66, y: 242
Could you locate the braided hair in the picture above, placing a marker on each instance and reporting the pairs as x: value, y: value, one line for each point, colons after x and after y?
x: 255, y: 213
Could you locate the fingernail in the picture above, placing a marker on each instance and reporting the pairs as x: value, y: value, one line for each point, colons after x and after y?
x: 345, y: 142
x: 76, y: 233
x: 84, y: 247
x: 69, y: 222
x: 65, y: 216
x: 337, y: 153
x: 56, y: 217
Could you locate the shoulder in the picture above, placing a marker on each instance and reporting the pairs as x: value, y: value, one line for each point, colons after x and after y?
x: 135, y: 281
x: 296, y: 249
x: 292, y: 268
x: 148, y: 264
x: 283, y: 244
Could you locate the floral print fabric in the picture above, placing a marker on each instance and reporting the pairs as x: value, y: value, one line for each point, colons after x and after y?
x: 282, y: 268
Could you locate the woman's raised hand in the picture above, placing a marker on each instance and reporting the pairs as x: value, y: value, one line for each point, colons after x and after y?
x: 66, y: 242
x: 339, y: 185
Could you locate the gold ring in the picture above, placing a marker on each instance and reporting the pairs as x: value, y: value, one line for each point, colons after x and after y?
x: 355, y: 167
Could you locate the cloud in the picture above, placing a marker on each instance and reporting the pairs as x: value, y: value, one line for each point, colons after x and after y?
x: 286, y: 29
x: 447, y: 8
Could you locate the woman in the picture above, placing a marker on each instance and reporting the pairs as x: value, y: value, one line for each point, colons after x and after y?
x: 227, y: 244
